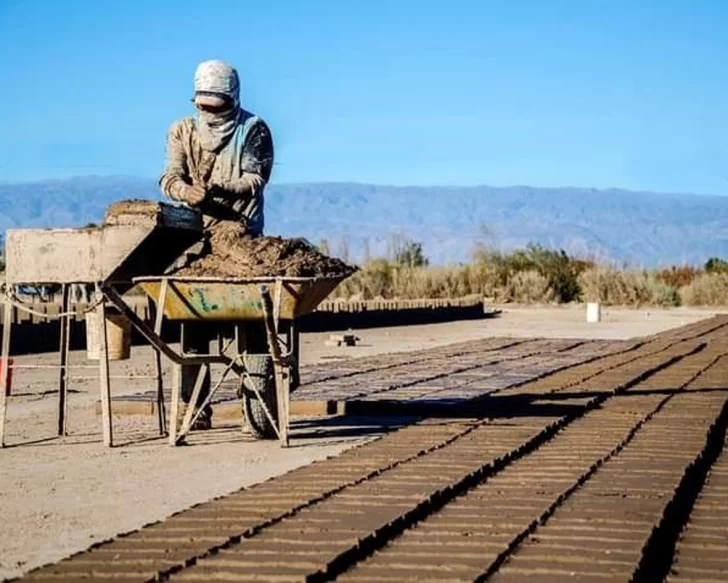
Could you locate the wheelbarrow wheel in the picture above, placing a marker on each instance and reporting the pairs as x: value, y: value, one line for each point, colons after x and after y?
x: 260, y: 377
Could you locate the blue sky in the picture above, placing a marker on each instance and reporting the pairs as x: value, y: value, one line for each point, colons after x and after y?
x: 625, y: 93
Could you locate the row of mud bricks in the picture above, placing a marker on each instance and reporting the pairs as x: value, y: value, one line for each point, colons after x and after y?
x: 616, y: 473
x: 51, y: 309
x: 40, y: 332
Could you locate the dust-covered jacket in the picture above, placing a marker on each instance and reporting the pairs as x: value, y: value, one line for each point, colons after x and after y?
x: 226, y: 174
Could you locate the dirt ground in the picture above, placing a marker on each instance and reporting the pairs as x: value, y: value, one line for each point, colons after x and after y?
x: 515, y: 322
x: 59, y: 496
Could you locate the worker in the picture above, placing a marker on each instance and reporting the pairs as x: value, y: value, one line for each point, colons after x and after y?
x: 218, y: 161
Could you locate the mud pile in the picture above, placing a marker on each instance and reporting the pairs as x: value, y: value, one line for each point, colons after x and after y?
x: 232, y: 253
x: 130, y: 212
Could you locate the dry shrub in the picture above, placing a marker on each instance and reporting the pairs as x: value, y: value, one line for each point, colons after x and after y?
x: 677, y: 277
x: 557, y: 267
x: 663, y: 294
x: 708, y: 289
x: 373, y: 280
x: 537, y: 275
x: 380, y: 278
x: 625, y: 288
x: 432, y: 282
x: 528, y: 287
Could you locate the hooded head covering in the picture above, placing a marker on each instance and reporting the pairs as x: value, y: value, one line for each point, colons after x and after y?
x: 216, y: 81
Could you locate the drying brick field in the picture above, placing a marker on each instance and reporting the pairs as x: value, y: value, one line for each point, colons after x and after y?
x: 522, y: 460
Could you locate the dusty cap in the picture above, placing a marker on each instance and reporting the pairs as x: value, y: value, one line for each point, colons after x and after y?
x: 217, y: 77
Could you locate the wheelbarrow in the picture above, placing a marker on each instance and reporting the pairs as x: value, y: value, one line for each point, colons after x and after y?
x: 267, y: 378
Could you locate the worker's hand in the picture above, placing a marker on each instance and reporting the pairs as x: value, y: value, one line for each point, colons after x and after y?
x: 195, y: 194
x: 251, y: 183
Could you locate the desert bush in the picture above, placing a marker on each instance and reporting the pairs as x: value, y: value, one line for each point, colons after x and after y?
x: 626, y: 288
x: 433, y: 282
x: 373, y: 280
x: 535, y: 274
x: 708, y: 289
x: 529, y: 287
x: 559, y: 270
x: 677, y: 276
x: 380, y: 278
x: 663, y: 294
x: 557, y: 267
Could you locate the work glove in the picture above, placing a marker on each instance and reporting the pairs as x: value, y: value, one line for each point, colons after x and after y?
x: 194, y: 195
x: 250, y: 183
x: 247, y: 186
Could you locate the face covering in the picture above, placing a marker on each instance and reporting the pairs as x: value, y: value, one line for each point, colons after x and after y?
x: 216, y: 128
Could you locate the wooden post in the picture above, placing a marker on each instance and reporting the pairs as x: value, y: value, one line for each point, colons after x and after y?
x: 174, y: 407
x: 65, y: 323
x: 104, y: 381
x: 283, y: 383
x: 159, y: 380
x: 156, y: 313
x: 7, y: 324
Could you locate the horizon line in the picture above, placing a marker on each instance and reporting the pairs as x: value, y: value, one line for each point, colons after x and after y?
x: 374, y: 184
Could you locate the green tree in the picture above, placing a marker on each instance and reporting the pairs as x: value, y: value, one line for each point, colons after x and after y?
x: 410, y: 254
x: 716, y: 265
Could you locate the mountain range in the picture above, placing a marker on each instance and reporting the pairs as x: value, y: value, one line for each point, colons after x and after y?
x: 641, y: 228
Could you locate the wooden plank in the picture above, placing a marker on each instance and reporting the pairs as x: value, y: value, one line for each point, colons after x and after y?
x: 5, y: 372
x: 157, y: 355
x: 65, y: 325
x: 174, y: 406
x: 104, y: 381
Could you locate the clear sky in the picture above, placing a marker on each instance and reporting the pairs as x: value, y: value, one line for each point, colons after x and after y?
x: 625, y: 93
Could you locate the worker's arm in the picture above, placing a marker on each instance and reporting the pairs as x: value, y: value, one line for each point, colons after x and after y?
x: 256, y: 163
x: 175, y: 181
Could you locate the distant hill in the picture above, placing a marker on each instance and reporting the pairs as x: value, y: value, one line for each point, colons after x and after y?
x: 641, y: 227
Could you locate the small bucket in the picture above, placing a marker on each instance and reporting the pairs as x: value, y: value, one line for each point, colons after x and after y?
x: 118, y: 336
x: 593, y: 313
x: 10, y: 374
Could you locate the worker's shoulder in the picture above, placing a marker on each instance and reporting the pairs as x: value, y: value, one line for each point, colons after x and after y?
x: 254, y: 121
x: 183, y: 126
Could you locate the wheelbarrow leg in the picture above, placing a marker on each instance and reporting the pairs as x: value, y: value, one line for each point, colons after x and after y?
x: 241, y: 346
x: 202, y: 374
x: 282, y: 379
